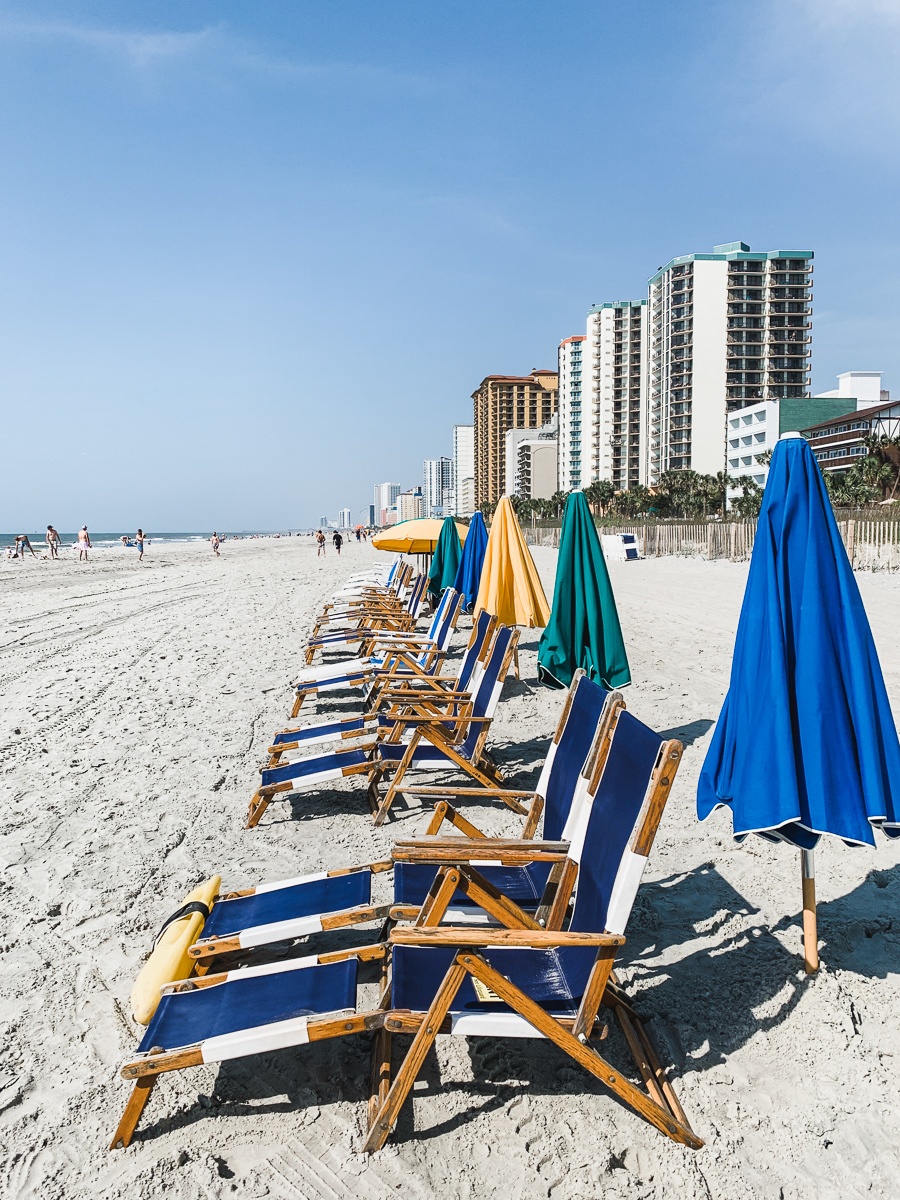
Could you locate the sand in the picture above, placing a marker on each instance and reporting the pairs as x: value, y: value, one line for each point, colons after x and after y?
x: 137, y: 704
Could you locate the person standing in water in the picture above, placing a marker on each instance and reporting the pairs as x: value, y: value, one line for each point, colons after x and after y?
x: 52, y: 540
x: 338, y: 542
x: 214, y: 542
x: 139, y: 542
x: 84, y: 543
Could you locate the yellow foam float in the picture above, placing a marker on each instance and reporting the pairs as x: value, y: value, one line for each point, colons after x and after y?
x: 169, y: 960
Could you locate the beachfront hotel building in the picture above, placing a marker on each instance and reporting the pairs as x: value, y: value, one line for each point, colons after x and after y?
x: 385, y: 499
x: 438, y: 491
x: 726, y: 330
x: 616, y: 350
x: 504, y: 402
x: 532, y: 462
x: 463, y: 470
x: 755, y: 429
x: 574, y: 433
x: 410, y: 505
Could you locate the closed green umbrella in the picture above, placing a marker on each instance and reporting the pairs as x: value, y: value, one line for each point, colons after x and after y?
x: 584, y: 628
x: 446, y: 558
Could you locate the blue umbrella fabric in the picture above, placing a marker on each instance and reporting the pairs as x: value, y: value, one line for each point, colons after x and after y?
x: 468, y: 574
x: 806, y: 743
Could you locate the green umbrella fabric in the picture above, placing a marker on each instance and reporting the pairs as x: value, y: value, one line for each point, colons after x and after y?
x: 584, y: 628
x: 445, y: 562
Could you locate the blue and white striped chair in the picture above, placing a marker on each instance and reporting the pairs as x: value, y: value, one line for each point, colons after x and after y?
x: 515, y: 979
x: 361, y: 624
x: 436, y: 742
x: 369, y: 626
x: 392, y: 658
x: 542, y: 975
x: 406, y: 690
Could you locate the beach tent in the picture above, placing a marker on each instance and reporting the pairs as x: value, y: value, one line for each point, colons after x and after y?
x: 805, y: 744
x: 446, y: 558
x: 414, y: 537
x: 584, y: 628
x: 468, y: 575
x: 510, y: 587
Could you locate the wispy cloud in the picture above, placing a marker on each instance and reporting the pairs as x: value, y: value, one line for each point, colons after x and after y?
x: 139, y: 48
x: 213, y: 44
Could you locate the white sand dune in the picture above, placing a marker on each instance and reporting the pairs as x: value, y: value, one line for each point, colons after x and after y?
x: 137, y: 704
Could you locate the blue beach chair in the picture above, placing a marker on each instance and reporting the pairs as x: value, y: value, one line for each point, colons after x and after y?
x: 396, y: 689
x: 530, y: 977
x: 424, y: 656
x: 361, y: 625
x: 435, y: 742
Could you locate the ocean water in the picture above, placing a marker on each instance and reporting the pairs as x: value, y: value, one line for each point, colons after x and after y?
x: 112, y: 541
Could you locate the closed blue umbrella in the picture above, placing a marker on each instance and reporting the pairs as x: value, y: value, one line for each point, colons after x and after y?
x: 805, y: 744
x: 468, y: 574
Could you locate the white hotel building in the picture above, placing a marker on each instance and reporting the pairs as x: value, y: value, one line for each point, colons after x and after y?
x: 727, y: 330
x: 464, y: 470
x: 574, y: 422
x: 602, y: 389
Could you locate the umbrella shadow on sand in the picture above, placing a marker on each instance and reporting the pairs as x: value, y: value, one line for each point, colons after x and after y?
x: 708, y: 973
x: 713, y: 977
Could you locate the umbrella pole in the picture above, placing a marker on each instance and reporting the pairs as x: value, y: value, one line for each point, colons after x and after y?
x: 810, y: 934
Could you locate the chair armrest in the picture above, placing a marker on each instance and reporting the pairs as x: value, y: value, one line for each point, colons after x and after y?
x: 509, y: 851
x: 445, y: 935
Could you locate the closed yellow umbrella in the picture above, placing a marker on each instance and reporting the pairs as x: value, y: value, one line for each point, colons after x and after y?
x: 414, y: 537
x: 510, y: 586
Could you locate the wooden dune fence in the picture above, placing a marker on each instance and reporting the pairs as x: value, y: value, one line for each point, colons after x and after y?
x: 871, y: 545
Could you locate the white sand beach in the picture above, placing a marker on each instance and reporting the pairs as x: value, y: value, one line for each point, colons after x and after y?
x: 137, y: 704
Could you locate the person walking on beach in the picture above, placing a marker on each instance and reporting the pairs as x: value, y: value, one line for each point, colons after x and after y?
x: 338, y: 542
x: 139, y: 542
x: 84, y: 543
x: 52, y: 540
x: 320, y: 540
x: 214, y: 542
x: 22, y: 543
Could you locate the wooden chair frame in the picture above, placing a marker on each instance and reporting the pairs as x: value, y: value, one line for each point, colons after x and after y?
x: 434, y: 730
x: 659, y: 1104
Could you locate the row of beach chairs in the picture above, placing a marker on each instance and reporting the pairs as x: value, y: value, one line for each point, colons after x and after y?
x: 512, y: 937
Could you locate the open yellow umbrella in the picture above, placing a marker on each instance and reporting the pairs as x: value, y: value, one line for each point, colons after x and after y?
x: 510, y: 586
x: 414, y: 537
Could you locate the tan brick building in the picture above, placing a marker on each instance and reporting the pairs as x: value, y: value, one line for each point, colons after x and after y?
x: 507, y: 402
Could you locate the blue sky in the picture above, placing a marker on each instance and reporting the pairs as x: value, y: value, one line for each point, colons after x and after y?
x: 255, y: 257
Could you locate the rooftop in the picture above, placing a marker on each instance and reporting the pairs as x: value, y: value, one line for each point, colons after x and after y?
x: 730, y: 252
x: 870, y: 410
x: 616, y: 304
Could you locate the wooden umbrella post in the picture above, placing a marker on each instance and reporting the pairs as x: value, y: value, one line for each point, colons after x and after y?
x: 810, y: 934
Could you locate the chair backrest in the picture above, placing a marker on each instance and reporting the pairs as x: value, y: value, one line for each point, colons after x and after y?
x: 611, y: 846
x: 479, y: 642
x: 440, y: 611
x: 489, y: 685
x: 416, y: 595
x: 568, y: 751
x: 442, y: 626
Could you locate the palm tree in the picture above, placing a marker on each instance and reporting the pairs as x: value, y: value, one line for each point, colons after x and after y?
x: 599, y: 495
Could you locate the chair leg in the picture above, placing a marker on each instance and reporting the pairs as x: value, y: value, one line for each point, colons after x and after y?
x: 657, y: 1114
x: 386, y: 1116
x: 381, y: 1073
x: 140, y: 1094
x: 384, y: 807
x: 258, y: 806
